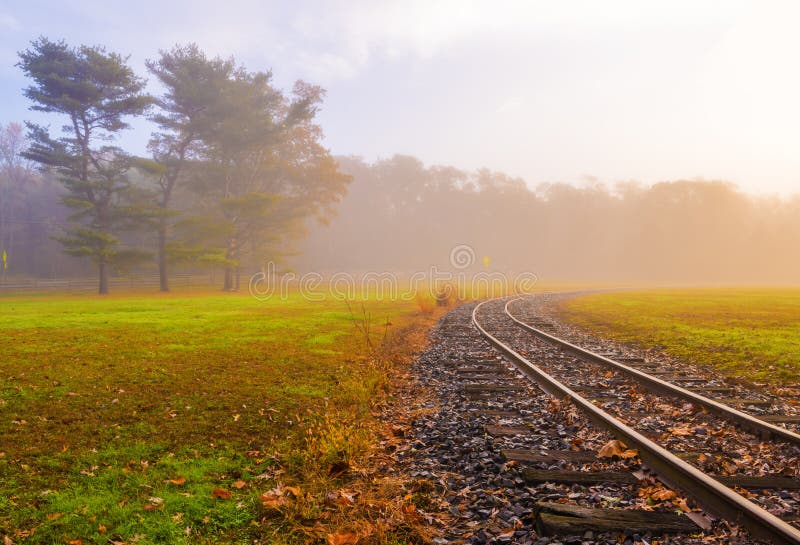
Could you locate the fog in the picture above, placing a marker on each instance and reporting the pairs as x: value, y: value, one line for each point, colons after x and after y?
x: 402, y: 216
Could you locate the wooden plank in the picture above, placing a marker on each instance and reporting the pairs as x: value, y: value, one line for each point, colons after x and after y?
x: 492, y: 388
x: 741, y: 401
x: 640, y: 364
x: 535, y: 456
x: 780, y: 482
x: 687, y: 456
x: 564, y: 519
x: 633, y: 360
x: 507, y: 430
x: 478, y: 369
x: 500, y: 414
x: 601, y: 398
x: 534, y: 476
x: 494, y: 377
x: 780, y: 418
x: 713, y: 389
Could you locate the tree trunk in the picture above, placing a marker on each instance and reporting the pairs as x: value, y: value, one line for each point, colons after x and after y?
x: 102, y: 270
x: 238, y: 277
x: 230, y: 273
x: 162, y: 258
x: 228, y: 283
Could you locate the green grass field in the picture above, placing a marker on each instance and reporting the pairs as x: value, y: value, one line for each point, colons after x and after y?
x: 161, y: 419
x: 749, y: 333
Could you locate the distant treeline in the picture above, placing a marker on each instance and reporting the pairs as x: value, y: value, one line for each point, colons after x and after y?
x: 400, y: 215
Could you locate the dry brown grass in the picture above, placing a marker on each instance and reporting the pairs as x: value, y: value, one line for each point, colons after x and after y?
x: 346, y: 498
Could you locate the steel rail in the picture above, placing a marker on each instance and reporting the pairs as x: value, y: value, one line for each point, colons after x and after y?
x: 710, y: 494
x: 746, y: 421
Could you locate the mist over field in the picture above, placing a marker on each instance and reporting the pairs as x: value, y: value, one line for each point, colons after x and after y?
x: 399, y: 215
x: 402, y: 215
x: 575, y: 144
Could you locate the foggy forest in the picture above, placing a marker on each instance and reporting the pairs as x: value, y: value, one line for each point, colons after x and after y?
x: 238, y: 177
x: 400, y: 215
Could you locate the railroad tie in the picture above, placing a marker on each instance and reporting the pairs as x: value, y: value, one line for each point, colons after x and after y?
x: 780, y: 418
x: 576, y: 456
x: 469, y: 370
x: 558, y: 476
x: 498, y: 413
x: 744, y: 401
x: 760, y: 482
x: 565, y: 519
x: 549, y: 456
x: 507, y: 430
x: 481, y: 388
x: 494, y: 377
x: 712, y: 389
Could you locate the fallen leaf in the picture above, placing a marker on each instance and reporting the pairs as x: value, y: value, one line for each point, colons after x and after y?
x: 347, y: 498
x: 616, y: 448
x: 345, y: 538
x: 239, y: 484
x: 272, y: 500
x: 744, y: 492
x: 101, y: 529
x: 221, y: 494
x: 177, y: 481
x: 54, y: 516
x: 663, y: 495
x: 681, y: 504
x: 410, y: 512
x: 293, y: 489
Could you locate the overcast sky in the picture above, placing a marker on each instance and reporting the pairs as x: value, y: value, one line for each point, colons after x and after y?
x: 545, y: 90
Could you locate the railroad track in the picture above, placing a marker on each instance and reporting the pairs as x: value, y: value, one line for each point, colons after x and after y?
x: 688, y: 435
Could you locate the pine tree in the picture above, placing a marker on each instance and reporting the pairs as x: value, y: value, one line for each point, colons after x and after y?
x: 95, y: 90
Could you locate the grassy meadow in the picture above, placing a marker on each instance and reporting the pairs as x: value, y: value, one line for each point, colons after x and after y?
x: 188, y: 417
x: 752, y: 333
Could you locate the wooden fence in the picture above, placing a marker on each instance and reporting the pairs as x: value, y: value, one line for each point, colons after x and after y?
x: 90, y: 284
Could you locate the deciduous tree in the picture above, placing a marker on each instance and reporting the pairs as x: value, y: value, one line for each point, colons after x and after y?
x: 192, y: 84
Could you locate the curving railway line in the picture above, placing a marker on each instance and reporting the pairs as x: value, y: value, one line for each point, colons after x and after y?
x: 694, y: 434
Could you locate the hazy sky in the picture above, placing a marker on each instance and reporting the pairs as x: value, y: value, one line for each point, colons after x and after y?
x: 550, y: 91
